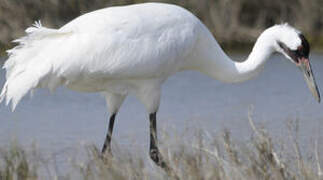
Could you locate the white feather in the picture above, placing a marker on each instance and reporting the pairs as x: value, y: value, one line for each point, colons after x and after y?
x: 129, y: 49
x: 28, y: 63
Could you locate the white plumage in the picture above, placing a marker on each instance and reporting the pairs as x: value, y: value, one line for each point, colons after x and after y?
x: 117, y: 50
x: 131, y: 50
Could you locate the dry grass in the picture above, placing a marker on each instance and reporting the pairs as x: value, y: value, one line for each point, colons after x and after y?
x: 203, y: 157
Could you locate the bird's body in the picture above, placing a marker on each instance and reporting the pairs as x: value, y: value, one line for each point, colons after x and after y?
x: 120, y: 43
x: 131, y: 50
x: 117, y: 50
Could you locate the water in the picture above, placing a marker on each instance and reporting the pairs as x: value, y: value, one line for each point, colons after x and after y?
x: 67, y: 118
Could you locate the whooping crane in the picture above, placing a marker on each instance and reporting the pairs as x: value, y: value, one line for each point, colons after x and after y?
x: 133, y: 50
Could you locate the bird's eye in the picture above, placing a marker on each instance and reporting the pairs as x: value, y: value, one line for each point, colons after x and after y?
x: 281, y: 45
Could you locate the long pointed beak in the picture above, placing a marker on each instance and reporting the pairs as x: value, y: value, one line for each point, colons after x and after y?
x: 305, y: 67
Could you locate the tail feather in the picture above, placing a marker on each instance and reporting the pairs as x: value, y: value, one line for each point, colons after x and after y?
x: 18, y: 88
x: 28, y: 65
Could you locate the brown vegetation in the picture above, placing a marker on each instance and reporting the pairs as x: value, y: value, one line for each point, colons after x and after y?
x: 203, y: 156
x: 234, y: 23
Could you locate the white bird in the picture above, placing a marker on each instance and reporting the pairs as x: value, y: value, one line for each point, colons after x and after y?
x: 133, y: 50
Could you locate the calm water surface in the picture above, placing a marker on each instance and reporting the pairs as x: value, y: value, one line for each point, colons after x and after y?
x: 67, y: 118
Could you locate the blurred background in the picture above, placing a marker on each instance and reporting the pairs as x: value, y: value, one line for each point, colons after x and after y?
x: 235, y: 23
x: 190, y: 100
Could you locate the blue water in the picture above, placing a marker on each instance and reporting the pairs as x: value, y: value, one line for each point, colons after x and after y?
x: 189, y: 99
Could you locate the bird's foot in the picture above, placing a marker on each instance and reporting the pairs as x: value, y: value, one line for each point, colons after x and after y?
x: 106, y: 155
x: 156, y: 156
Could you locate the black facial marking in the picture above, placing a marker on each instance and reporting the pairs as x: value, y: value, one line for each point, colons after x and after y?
x: 302, y: 51
x: 291, y: 53
x: 305, y: 50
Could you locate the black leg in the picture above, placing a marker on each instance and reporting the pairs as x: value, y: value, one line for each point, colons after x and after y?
x: 154, y: 152
x: 107, y: 142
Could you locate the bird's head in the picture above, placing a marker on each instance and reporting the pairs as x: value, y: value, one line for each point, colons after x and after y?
x: 293, y: 45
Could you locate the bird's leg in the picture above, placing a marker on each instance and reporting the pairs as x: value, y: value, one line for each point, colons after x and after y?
x: 154, y: 152
x: 107, y: 142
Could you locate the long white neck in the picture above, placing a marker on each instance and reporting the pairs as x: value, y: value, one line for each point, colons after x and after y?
x: 218, y: 65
